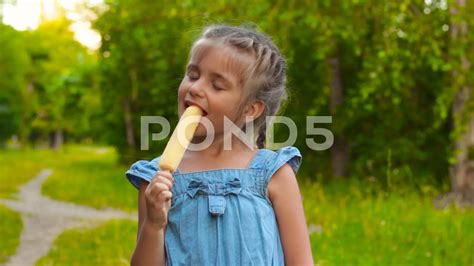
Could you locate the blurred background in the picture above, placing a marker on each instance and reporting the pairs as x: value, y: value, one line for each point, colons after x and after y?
x: 396, y: 187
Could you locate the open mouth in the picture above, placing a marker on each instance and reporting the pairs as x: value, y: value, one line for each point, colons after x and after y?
x: 187, y: 104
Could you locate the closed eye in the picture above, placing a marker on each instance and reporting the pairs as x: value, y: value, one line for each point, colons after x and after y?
x: 192, y: 72
x: 218, y: 88
x: 192, y: 76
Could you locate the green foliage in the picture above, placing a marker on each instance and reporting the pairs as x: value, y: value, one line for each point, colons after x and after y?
x: 63, y: 80
x: 140, y: 64
x: 51, y: 83
x: 395, y: 63
x: 14, y: 64
x: 401, y: 62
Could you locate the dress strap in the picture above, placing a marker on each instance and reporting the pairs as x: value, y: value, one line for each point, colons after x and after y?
x: 286, y: 155
x: 259, y: 158
x: 268, y: 162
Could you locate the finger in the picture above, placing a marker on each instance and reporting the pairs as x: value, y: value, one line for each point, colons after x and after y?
x: 161, y: 179
x: 156, y: 188
x: 165, y: 174
x: 165, y: 195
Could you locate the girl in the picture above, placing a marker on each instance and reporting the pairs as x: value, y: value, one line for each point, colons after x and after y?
x: 238, y: 206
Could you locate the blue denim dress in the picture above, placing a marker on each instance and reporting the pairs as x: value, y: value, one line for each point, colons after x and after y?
x: 223, y: 216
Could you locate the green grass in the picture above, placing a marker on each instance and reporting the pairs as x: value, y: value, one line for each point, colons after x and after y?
x: 109, y: 244
x: 359, y: 226
x: 18, y: 167
x: 91, y: 177
x: 83, y: 175
x: 358, y: 222
x: 10, y: 229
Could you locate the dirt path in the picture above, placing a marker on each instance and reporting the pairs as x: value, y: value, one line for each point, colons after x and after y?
x: 45, y: 219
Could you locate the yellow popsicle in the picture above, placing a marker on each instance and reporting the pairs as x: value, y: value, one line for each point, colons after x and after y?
x: 175, y: 148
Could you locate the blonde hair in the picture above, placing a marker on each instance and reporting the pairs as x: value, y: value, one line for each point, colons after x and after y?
x: 263, y: 79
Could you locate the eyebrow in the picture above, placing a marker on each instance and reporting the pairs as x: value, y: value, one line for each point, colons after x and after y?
x: 192, y: 66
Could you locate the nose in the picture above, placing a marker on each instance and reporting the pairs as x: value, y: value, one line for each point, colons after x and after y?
x: 197, y: 89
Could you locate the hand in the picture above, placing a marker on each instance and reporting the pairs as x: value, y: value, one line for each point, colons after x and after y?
x: 158, y: 199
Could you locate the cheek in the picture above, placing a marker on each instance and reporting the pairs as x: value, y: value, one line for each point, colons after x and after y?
x: 181, y: 91
x: 181, y: 95
x: 183, y: 85
x: 225, y: 110
x: 229, y: 106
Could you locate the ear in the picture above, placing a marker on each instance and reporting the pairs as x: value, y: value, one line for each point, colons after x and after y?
x: 255, y: 109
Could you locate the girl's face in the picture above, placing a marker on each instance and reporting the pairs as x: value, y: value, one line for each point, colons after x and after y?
x: 213, y: 84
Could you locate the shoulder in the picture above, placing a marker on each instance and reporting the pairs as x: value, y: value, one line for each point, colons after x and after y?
x: 283, y: 182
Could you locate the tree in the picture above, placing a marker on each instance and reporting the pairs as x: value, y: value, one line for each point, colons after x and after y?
x: 59, y: 82
x: 462, y: 171
x: 380, y: 69
x: 14, y: 65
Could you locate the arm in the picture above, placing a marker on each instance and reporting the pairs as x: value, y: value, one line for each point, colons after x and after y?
x: 150, y: 248
x: 285, y: 196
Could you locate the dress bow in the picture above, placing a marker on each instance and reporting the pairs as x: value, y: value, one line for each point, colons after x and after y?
x: 215, y: 191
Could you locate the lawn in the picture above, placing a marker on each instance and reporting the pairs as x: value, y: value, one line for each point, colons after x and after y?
x: 353, y: 222
x: 81, y: 174
x: 10, y: 229
x: 353, y: 227
x: 109, y: 244
x: 91, y: 176
x: 16, y: 168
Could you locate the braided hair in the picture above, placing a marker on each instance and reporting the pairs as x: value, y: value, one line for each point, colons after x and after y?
x: 263, y: 79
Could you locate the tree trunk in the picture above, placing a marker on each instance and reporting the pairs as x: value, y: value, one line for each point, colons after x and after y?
x: 24, y: 113
x: 340, y: 149
x: 57, y: 139
x: 127, y: 117
x: 462, y: 173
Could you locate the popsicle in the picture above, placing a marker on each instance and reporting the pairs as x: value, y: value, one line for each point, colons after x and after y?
x: 175, y: 148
